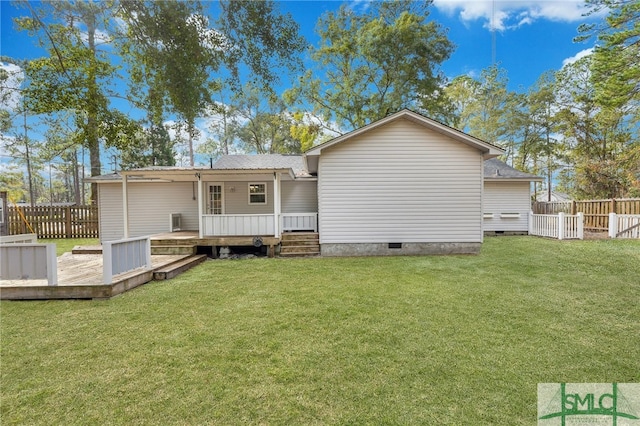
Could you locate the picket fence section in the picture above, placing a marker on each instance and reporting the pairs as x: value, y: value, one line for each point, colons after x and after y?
x: 624, y: 225
x: 561, y: 226
x: 596, y: 212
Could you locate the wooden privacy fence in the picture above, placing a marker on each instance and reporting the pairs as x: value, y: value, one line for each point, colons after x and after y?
x: 596, y: 212
x: 54, y: 221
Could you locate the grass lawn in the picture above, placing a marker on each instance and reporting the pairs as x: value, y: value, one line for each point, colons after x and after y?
x: 66, y: 245
x: 402, y: 340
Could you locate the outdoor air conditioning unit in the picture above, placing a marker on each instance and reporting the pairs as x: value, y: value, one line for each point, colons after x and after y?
x: 176, y: 222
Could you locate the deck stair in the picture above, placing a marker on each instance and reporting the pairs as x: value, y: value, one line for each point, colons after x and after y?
x: 168, y: 246
x: 296, y: 244
x: 173, y: 269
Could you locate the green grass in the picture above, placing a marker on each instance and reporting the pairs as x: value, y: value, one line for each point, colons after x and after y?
x: 402, y: 340
x: 66, y: 245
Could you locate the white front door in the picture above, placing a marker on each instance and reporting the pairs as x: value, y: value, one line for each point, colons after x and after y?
x: 215, y: 199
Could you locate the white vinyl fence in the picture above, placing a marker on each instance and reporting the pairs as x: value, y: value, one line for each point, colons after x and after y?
x: 624, y: 225
x: 561, y: 226
x: 29, y: 262
x: 125, y: 255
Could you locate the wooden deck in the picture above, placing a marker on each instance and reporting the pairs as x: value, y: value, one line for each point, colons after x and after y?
x: 192, y: 238
x: 80, y: 277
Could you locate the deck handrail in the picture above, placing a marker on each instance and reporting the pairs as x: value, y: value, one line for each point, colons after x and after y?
x: 125, y: 255
x: 29, y: 262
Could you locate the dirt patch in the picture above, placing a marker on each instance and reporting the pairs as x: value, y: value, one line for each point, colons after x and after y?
x: 596, y: 235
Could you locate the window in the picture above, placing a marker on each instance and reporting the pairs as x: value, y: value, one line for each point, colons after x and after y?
x: 257, y: 193
x: 215, y: 199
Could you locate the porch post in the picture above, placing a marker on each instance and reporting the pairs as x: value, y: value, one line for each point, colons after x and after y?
x: 277, y: 205
x: 125, y: 206
x: 200, y: 212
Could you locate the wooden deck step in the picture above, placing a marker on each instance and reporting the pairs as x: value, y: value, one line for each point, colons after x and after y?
x: 169, y: 271
x: 173, y: 249
x: 86, y: 250
x: 295, y: 244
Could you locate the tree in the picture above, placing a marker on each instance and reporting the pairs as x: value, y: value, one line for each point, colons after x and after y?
x: 74, y: 75
x: 597, y: 135
x: 461, y: 95
x: 615, y: 67
x: 13, y: 181
x: 483, y: 108
x: 265, y: 124
x: 372, y: 64
x: 153, y: 147
x: 174, y: 52
x: 540, y: 151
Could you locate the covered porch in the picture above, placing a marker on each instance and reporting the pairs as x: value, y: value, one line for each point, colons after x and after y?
x: 245, y: 204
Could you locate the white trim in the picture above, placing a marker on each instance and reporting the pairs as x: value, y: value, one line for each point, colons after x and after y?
x: 208, y: 198
x: 277, y: 207
x: 249, y: 194
x: 200, y: 207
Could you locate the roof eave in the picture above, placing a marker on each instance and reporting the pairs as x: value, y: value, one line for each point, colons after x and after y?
x: 514, y: 179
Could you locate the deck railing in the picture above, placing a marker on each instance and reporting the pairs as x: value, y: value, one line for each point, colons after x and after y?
x: 19, y: 239
x: 238, y: 224
x: 125, y: 255
x: 300, y: 222
x: 215, y: 225
x: 561, y: 226
x: 29, y: 262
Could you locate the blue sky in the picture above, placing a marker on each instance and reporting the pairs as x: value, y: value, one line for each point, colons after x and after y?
x: 531, y: 36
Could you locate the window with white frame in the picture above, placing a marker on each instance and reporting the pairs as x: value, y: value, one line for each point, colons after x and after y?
x: 257, y: 193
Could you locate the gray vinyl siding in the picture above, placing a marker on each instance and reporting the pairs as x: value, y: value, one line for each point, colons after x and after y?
x: 150, y: 205
x: 299, y: 197
x: 400, y: 183
x: 236, y: 198
x: 110, y: 211
x: 507, y: 197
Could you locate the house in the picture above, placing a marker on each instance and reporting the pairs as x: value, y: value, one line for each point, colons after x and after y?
x: 402, y: 185
x: 507, y: 198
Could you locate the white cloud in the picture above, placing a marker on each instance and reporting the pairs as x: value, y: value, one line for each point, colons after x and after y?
x: 575, y: 58
x: 9, y: 89
x: 510, y: 14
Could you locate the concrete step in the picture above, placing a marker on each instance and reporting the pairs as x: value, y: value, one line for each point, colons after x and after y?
x: 173, y: 269
x: 174, y: 249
